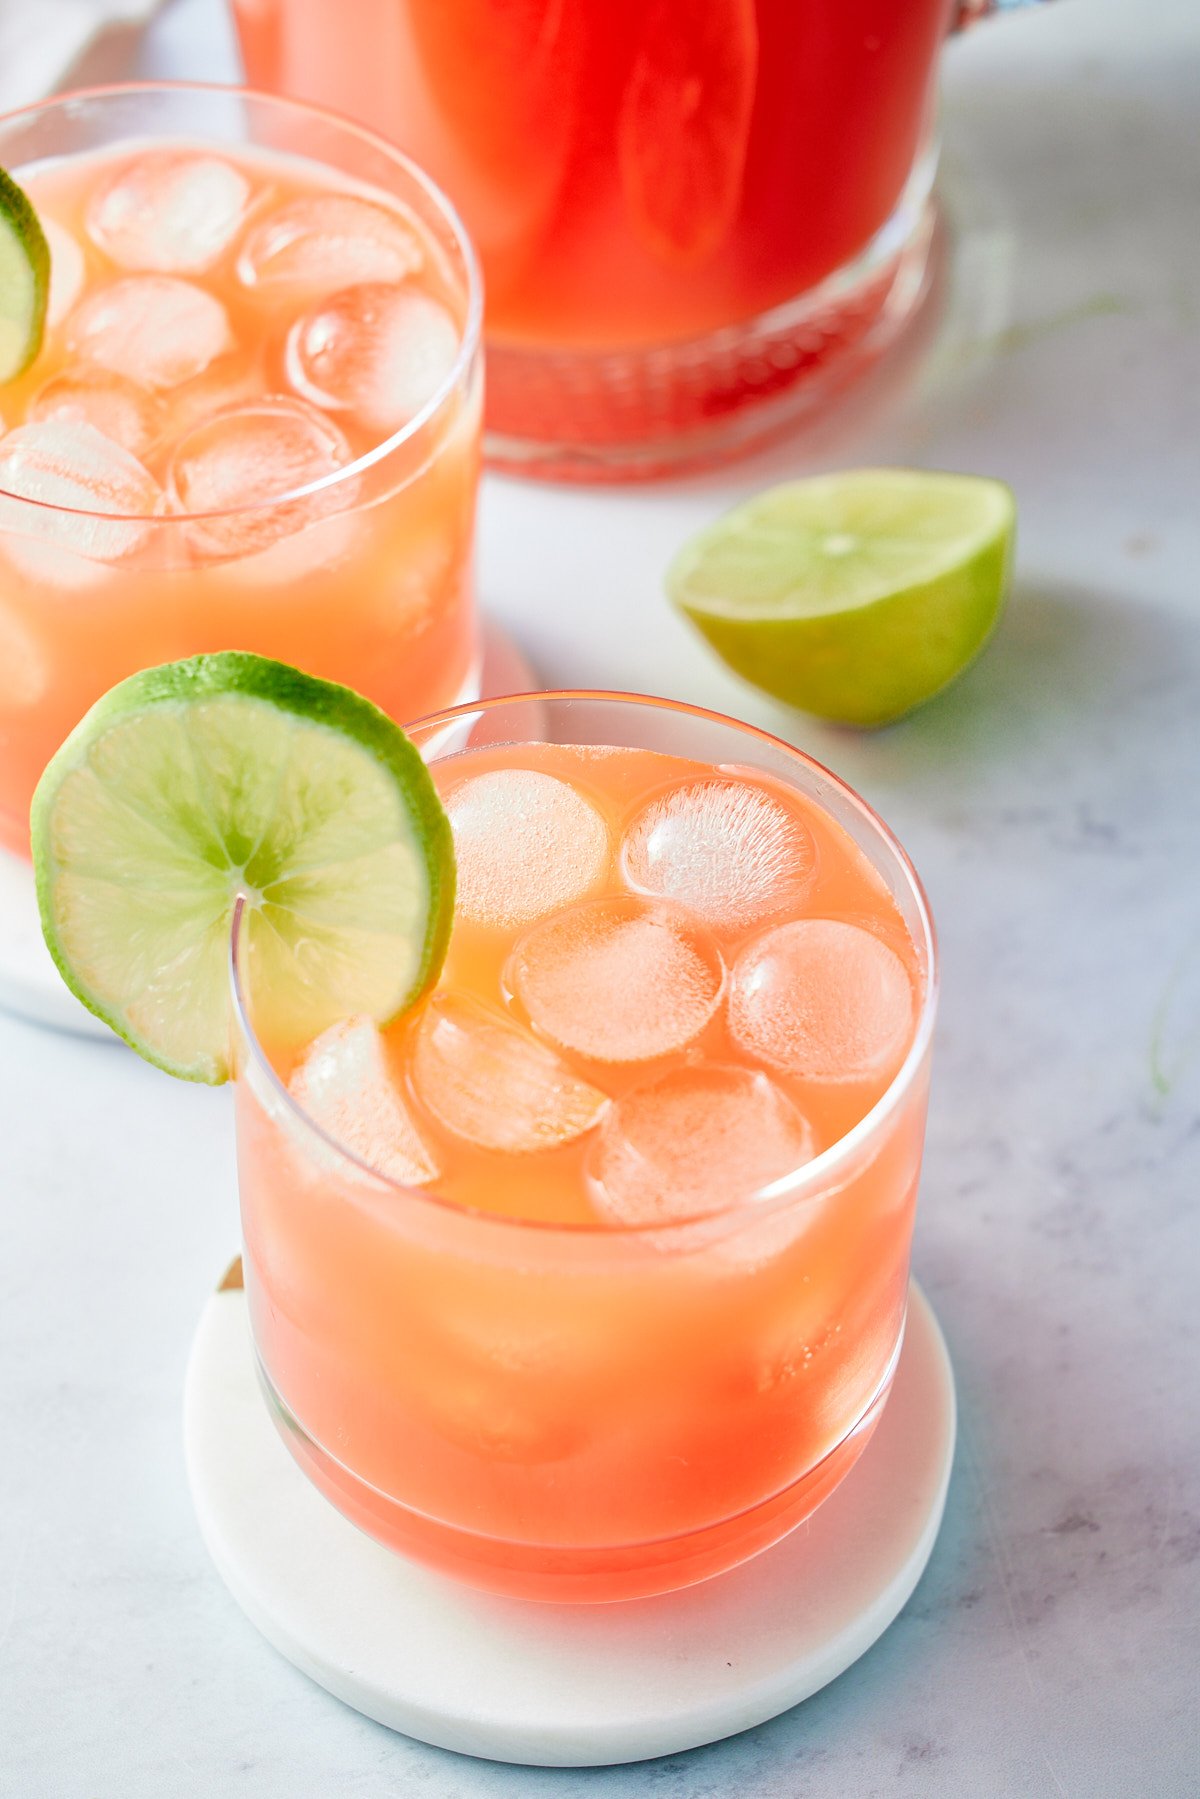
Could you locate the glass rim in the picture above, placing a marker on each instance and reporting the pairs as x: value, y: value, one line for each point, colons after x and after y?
x: 472, y: 329
x: 806, y: 1181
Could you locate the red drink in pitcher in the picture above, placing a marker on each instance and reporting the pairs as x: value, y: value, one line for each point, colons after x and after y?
x: 683, y: 206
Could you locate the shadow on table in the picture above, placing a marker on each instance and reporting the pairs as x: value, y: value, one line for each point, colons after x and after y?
x: 1074, y: 681
x: 1065, y: 658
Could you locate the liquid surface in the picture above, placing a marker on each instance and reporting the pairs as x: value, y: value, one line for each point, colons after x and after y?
x: 227, y: 327
x: 669, y: 986
x: 188, y: 282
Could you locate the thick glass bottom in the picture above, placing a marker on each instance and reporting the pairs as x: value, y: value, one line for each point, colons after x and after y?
x: 628, y: 415
x: 577, y: 1575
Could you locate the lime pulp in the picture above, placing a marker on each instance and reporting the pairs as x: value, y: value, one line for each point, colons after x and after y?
x: 854, y: 596
x: 24, y: 280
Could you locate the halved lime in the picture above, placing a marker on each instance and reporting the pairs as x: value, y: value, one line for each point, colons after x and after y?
x: 855, y: 596
x: 190, y: 784
x: 24, y: 279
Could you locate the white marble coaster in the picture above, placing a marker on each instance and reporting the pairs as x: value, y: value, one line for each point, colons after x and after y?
x: 29, y: 982
x: 562, y: 1686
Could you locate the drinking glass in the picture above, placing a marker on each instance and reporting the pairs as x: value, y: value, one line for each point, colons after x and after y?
x: 583, y: 1412
x: 363, y: 576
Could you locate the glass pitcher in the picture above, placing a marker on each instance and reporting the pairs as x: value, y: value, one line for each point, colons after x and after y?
x: 696, y: 217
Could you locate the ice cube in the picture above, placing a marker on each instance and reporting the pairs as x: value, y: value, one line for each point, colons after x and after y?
x: 168, y: 210
x: 153, y: 328
x: 376, y: 352
x: 245, y: 458
x: 424, y: 582
x: 118, y: 408
x: 525, y: 843
x: 727, y: 850
x: 344, y: 1085
x: 71, y: 466
x: 24, y: 674
x: 315, y: 549
x: 695, y: 1142
x: 324, y: 242
x: 503, y: 1403
x: 822, y: 999
x: 66, y: 270
x: 618, y: 979
x: 487, y: 1081
x: 232, y: 380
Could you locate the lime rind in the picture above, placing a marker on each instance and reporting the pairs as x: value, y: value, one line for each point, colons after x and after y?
x: 190, y: 784
x: 24, y: 280
x: 853, y: 596
x: 836, y: 542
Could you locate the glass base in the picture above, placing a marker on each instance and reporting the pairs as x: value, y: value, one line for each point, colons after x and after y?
x: 597, y: 416
x: 565, y: 1686
x: 576, y: 1575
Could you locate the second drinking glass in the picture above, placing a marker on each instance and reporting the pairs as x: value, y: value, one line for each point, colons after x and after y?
x: 253, y: 422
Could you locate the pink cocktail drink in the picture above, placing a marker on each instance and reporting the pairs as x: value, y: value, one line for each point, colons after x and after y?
x: 588, y: 1279
x: 254, y: 419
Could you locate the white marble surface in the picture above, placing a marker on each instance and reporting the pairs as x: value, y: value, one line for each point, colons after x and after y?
x: 1052, y: 803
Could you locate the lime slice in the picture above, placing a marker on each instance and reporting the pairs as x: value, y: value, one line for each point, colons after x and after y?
x: 855, y: 596
x: 24, y: 280
x: 683, y: 129
x: 190, y: 784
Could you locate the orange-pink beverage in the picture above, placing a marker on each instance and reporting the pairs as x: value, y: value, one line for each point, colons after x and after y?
x: 587, y: 1279
x: 254, y: 420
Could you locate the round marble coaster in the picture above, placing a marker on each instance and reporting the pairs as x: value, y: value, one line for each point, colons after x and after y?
x: 561, y: 1686
x: 29, y: 982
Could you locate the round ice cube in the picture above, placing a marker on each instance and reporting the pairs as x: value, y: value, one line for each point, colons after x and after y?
x: 325, y: 242
x: 344, y: 1084
x: 66, y: 270
x: 822, y: 999
x: 377, y: 352
x: 695, y: 1142
x: 525, y: 843
x: 618, y: 979
x: 232, y: 380
x: 168, y: 210
x: 94, y: 495
x: 487, y: 1081
x: 152, y: 328
x: 313, y: 551
x: 727, y: 850
x: 423, y: 583
x: 118, y: 408
x: 245, y: 458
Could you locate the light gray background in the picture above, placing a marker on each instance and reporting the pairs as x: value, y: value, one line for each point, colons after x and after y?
x: 1051, y: 801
